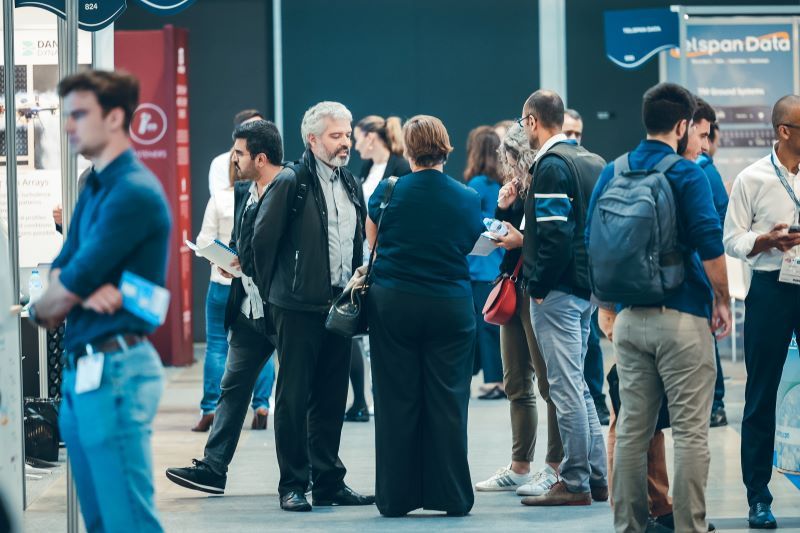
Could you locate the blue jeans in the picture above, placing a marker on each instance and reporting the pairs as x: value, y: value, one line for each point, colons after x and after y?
x: 593, y: 371
x: 487, y: 336
x: 217, y: 354
x: 561, y: 323
x: 107, y: 433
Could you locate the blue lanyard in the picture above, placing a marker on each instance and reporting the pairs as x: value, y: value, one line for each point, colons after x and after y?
x: 785, y: 183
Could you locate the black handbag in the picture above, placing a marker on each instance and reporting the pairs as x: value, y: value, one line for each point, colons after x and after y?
x: 346, y: 316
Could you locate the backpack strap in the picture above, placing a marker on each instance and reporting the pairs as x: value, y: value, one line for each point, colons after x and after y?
x: 667, y: 163
x: 302, y: 188
x: 621, y: 164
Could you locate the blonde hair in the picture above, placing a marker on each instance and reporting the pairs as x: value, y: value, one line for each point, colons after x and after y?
x: 515, y: 144
x: 389, y: 131
x: 426, y: 141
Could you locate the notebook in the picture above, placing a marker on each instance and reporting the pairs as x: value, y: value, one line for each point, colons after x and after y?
x: 219, y: 254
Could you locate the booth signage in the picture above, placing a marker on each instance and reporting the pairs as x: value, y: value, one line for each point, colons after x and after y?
x: 741, y: 69
x: 633, y: 36
x: 160, y: 134
x: 166, y: 7
x: 92, y: 15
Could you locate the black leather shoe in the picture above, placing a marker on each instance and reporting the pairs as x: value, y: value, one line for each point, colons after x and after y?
x: 357, y: 414
x: 602, y: 411
x: 665, y: 523
x: 344, y: 496
x: 761, y: 517
x: 295, y: 501
x: 495, y: 394
x: 718, y: 417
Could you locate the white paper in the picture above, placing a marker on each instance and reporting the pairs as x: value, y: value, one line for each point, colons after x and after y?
x: 219, y: 255
x: 485, y: 245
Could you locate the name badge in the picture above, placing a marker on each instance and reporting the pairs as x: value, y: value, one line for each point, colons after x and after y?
x: 89, y: 373
x: 790, y: 267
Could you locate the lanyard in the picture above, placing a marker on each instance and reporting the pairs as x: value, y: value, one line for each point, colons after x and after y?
x: 785, y: 182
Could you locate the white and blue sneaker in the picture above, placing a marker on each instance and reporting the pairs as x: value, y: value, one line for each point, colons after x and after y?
x: 540, y: 483
x: 504, y: 479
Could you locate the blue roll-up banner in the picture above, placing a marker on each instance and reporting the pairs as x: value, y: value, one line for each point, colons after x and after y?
x: 166, y: 7
x: 741, y: 69
x: 92, y: 16
x: 635, y: 35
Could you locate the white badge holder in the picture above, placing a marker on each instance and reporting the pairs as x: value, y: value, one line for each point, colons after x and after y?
x: 790, y: 267
x: 89, y: 373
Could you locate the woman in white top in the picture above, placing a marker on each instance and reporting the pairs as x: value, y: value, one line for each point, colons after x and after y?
x: 217, y: 225
x: 379, y: 143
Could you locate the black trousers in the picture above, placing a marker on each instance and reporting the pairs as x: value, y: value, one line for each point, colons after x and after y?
x: 421, y: 350
x: 248, y: 351
x: 310, y: 400
x: 772, y: 315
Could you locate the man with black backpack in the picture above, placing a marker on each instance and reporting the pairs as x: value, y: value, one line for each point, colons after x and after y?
x: 307, y: 242
x: 556, y: 276
x: 651, y: 232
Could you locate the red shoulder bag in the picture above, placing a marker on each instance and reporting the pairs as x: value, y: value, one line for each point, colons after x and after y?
x: 502, y: 301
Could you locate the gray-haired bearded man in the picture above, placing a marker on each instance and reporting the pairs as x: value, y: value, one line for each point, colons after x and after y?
x: 307, y: 243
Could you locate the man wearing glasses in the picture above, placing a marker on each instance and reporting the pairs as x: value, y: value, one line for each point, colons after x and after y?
x: 761, y: 228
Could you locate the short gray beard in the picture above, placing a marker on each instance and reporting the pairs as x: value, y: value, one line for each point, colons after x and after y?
x: 335, y: 161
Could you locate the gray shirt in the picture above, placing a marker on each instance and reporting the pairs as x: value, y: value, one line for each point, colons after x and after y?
x: 341, y: 224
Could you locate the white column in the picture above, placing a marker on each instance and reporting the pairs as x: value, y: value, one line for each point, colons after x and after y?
x: 553, y: 46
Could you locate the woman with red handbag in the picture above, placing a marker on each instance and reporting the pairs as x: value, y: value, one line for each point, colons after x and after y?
x: 507, y: 306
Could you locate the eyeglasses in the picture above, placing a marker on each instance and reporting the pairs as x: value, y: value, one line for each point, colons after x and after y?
x: 793, y: 126
x: 523, y: 119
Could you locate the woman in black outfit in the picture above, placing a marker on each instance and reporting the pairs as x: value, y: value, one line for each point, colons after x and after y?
x: 379, y: 142
x: 422, y: 330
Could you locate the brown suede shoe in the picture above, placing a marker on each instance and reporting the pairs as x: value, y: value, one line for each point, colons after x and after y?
x: 204, y: 424
x: 260, y: 418
x: 559, y: 495
x: 600, y: 494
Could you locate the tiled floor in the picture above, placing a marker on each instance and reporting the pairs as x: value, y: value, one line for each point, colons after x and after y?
x: 251, y: 502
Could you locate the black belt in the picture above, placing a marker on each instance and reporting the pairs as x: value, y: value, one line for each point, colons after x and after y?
x: 108, y: 345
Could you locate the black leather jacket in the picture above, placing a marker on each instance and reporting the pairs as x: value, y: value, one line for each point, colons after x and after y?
x: 290, y: 238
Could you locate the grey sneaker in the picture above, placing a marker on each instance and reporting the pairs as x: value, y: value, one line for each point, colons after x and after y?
x: 504, y: 479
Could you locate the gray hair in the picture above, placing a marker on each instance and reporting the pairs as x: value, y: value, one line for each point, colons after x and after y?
x: 574, y: 114
x: 515, y: 143
x: 314, y: 118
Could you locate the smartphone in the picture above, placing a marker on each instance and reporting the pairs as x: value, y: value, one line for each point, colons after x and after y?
x: 794, y: 228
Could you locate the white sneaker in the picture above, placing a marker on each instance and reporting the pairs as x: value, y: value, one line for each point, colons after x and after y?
x: 540, y: 484
x: 504, y: 479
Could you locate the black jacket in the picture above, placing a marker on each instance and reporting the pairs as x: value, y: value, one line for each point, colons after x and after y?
x: 513, y: 215
x: 554, y: 248
x: 241, y: 191
x: 290, y: 239
x: 395, y: 166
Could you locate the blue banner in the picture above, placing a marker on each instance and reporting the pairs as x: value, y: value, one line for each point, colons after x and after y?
x: 166, y: 7
x: 92, y: 15
x: 633, y: 36
x: 741, y: 70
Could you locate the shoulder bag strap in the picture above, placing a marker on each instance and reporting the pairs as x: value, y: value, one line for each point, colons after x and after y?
x: 387, y: 197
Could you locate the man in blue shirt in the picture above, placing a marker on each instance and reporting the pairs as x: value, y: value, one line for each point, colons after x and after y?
x: 113, y: 377
x: 667, y: 347
x: 706, y: 130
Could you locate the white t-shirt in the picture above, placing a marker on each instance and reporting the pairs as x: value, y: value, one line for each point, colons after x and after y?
x: 217, y: 224
x: 218, y: 173
x: 373, y: 179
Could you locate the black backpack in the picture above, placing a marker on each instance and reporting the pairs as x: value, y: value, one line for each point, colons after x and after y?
x: 635, y: 256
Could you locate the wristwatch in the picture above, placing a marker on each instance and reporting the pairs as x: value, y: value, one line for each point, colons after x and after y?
x: 32, y: 315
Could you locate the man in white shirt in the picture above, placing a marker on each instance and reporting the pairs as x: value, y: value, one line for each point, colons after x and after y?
x: 761, y: 229
x: 218, y: 172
